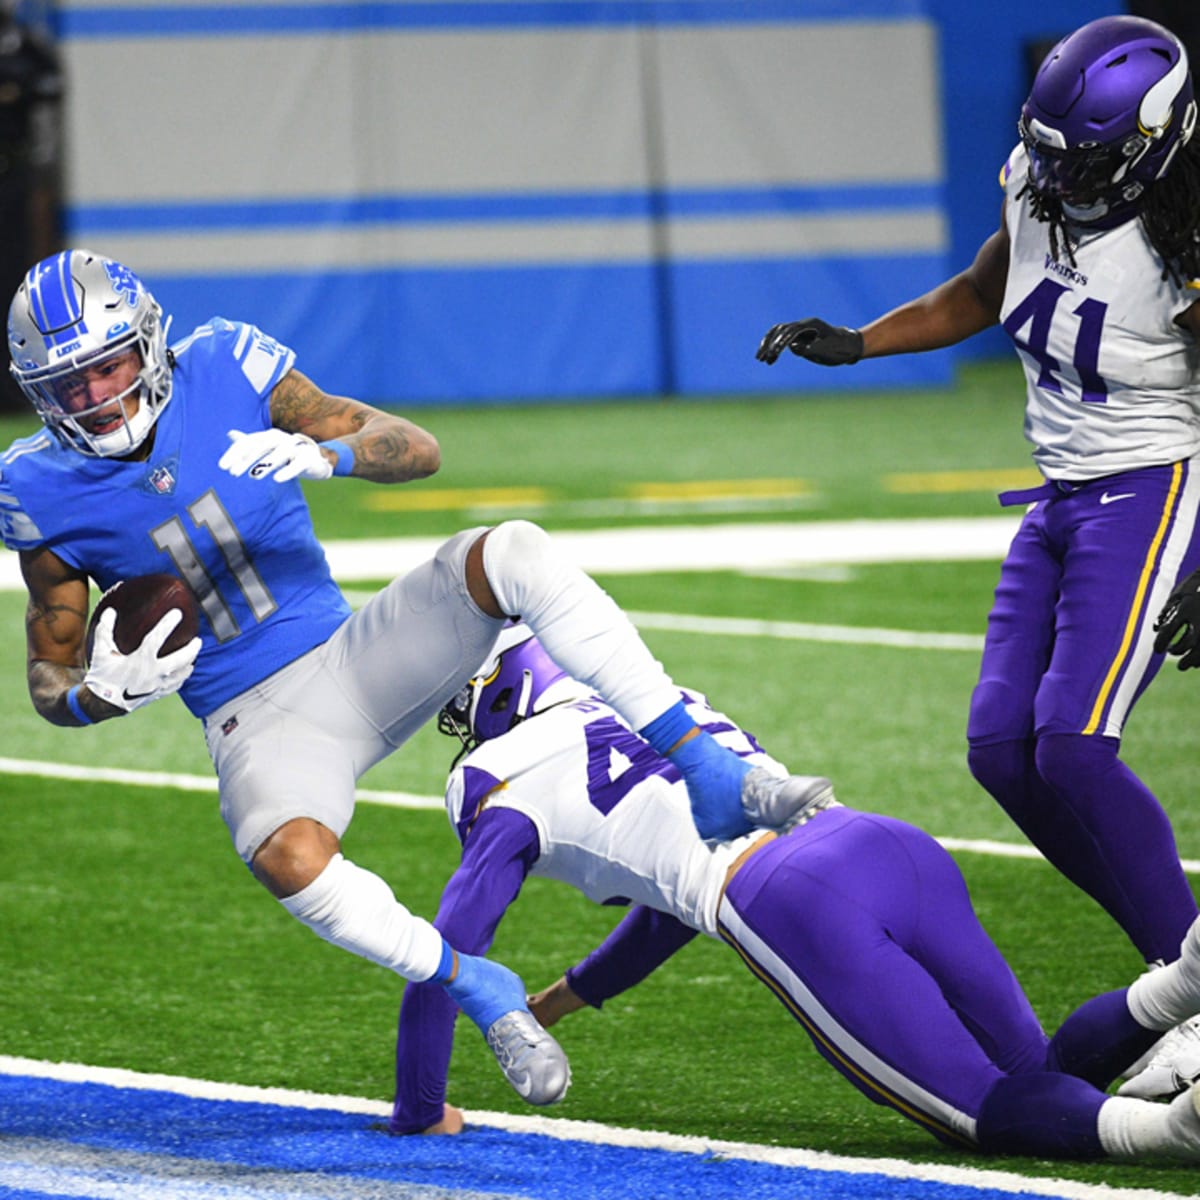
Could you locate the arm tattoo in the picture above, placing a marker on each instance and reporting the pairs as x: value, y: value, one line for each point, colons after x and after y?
x: 383, y: 455
x: 57, y: 624
x: 384, y: 445
x: 298, y: 405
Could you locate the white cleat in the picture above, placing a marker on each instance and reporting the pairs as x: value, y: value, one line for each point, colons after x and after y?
x: 532, y: 1061
x: 1173, y: 1065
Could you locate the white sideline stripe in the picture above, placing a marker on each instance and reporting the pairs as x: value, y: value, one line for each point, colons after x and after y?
x: 203, y: 783
x: 591, y: 1132
x: 1024, y: 850
x: 184, y: 783
x: 742, y: 546
x: 799, y: 631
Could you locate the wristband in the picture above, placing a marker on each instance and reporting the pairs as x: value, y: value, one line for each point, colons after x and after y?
x: 345, y: 456
x: 445, y: 965
x: 668, y: 729
x: 77, y: 708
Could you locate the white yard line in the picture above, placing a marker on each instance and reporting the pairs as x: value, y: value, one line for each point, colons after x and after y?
x: 205, y: 783
x: 743, y: 546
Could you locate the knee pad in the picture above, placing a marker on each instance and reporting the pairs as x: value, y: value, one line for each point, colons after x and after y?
x: 1065, y: 760
x: 999, y: 767
x: 517, y: 557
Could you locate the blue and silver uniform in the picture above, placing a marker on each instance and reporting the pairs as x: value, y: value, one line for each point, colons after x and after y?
x: 247, y: 551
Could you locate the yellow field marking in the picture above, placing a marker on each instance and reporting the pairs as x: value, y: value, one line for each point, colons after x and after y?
x: 717, y: 489
x: 452, y: 499
x: 695, y: 491
x: 961, y: 481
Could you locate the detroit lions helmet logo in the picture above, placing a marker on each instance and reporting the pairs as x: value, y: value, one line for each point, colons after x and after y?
x: 124, y: 282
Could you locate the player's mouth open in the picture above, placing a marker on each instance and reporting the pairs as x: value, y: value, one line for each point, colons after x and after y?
x: 100, y: 425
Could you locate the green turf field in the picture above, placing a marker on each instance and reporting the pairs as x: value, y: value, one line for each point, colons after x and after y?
x: 135, y: 938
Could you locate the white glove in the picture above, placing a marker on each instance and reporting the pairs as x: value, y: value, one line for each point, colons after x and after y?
x: 130, y: 680
x: 275, y: 452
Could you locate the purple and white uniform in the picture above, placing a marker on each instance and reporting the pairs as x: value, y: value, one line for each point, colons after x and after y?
x: 860, y: 924
x: 1113, y: 413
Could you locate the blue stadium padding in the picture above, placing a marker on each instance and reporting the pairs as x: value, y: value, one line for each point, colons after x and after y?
x: 206, y: 20
x: 722, y: 309
x: 425, y: 336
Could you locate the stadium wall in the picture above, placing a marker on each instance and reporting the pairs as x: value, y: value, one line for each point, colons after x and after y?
x: 471, y: 200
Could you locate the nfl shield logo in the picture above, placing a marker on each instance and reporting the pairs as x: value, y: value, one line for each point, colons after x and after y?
x: 162, y: 481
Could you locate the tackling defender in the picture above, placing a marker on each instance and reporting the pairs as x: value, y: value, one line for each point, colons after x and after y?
x: 860, y: 924
x: 187, y: 459
x: 1093, y: 273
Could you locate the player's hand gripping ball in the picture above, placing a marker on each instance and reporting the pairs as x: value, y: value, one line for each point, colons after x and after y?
x: 142, y: 640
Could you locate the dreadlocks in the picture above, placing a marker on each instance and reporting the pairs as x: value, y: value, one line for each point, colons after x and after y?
x: 1047, y: 207
x: 1171, y: 215
x: 1169, y: 211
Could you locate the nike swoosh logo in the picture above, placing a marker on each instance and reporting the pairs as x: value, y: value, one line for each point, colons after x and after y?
x: 1107, y: 499
x: 523, y: 1084
x: 136, y: 695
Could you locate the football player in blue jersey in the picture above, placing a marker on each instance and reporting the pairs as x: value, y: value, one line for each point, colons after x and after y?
x: 187, y: 458
x: 860, y: 924
x: 1093, y: 273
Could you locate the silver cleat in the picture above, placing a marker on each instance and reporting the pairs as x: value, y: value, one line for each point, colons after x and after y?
x: 532, y: 1061
x: 783, y: 802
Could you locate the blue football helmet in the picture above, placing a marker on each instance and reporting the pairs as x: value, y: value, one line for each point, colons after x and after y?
x: 1109, y: 108
x: 518, y: 680
x: 73, y: 313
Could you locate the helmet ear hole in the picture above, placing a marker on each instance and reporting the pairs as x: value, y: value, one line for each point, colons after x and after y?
x: 507, y: 689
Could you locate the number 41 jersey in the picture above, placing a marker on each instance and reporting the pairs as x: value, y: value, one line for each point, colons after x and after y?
x: 612, y: 816
x: 245, y: 547
x: 1113, y: 383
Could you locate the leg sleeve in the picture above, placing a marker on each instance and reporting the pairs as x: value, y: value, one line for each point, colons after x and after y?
x: 578, y: 623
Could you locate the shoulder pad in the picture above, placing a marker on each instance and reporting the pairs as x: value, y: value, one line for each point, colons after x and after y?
x: 1014, y: 161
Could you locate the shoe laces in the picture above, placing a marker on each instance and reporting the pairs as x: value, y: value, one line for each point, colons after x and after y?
x: 513, y: 1038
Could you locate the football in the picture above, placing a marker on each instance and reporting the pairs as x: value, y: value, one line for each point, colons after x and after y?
x: 141, y: 602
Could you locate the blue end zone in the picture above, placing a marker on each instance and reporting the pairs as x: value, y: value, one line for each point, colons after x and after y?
x: 95, y: 1140
x: 447, y: 336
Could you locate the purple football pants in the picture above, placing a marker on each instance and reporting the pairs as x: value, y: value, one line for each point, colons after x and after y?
x: 1069, y: 651
x: 862, y: 926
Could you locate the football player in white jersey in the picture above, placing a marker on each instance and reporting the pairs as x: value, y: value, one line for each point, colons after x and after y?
x: 187, y: 459
x: 1094, y: 273
x: 859, y: 923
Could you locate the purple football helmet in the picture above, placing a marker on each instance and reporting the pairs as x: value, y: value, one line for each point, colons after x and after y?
x: 1110, y: 106
x: 510, y: 687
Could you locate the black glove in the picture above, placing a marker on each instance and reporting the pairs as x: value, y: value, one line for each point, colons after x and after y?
x: 827, y: 345
x: 1178, y: 624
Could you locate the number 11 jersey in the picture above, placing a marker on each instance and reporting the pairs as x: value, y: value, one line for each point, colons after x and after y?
x: 246, y: 547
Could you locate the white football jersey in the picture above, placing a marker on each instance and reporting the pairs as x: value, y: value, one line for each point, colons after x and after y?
x: 608, y: 822
x: 1113, y: 381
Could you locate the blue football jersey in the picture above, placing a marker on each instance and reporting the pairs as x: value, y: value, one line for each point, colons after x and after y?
x: 246, y: 547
